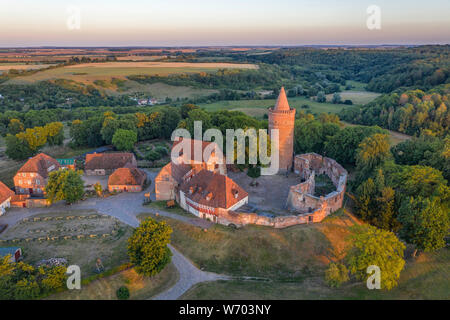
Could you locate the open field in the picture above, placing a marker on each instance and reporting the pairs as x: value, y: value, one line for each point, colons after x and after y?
x: 140, y: 287
x: 357, y: 97
x: 257, y: 108
x: 282, y: 254
x: 83, y: 252
x: 394, y: 137
x: 89, y: 72
x: 21, y: 66
x: 425, y: 278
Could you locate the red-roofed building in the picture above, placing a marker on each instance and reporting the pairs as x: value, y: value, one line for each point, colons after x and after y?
x: 101, y: 164
x: 127, y: 180
x: 206, y: 192
x: 32, y: 176
x: 5, y: 197
x: 199, y: 186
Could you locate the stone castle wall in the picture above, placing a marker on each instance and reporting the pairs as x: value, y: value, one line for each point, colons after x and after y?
x: 240, y: 219
x: 301, y: 197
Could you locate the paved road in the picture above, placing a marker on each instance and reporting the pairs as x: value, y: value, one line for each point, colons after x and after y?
x: 126, y: 207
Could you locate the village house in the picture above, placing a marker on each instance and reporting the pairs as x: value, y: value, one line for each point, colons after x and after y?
x: 127, y: 180
x: 5, y: 197
x: 102, y: 164
x: 31, y: 178
x: 206, y: 193
x: 172, y: 174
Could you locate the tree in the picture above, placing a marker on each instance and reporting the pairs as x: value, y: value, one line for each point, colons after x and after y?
x: 147, y: 247
x: 336, y: 274
x: 336, y: 98
x: 321, y: 97
x: 15, y: 126
x: 17, y: 148
x: 372, y: 246
x: 65, y: 185
x: 425, y: 223
x: 55, y: 133
x: 371, y: 153
x: 124, y: 140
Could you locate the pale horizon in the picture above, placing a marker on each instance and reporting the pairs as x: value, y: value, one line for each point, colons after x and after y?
x: 201, y: 23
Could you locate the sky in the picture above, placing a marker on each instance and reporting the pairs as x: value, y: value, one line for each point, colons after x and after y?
x: 221, y: 23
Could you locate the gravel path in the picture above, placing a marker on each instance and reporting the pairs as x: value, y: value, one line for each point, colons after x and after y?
x: 125, y: 207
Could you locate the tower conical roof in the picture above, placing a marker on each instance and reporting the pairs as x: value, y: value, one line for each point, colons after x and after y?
x: 282, y: 102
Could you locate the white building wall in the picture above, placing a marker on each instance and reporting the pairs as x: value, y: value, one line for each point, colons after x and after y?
x: 3, y: 206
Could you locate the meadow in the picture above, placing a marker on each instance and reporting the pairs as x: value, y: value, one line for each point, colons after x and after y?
x: 257, y: 108
x: 89, y: 72
x: 424, y: 278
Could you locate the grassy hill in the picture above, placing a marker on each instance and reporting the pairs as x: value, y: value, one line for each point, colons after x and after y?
x: 282, y: 254
x: 425, y: 278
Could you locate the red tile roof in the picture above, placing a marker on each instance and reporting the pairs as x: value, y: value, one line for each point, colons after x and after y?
x: 42, y: 164
x: 5, y: 192
x: 108, y: 161
x: 282, y: 102
x: 213, y: 190
x: 127, y: 177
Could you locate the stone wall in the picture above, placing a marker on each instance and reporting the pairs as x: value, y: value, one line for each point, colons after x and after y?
x: 240, y: 219
x: 301, y: 197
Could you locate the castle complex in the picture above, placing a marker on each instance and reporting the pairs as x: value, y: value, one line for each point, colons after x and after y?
x: 204, y: 189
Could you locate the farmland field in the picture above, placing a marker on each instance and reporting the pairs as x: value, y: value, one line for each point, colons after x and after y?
x: 90, y: 72
x: 357, y: 97
x: 21, y: 66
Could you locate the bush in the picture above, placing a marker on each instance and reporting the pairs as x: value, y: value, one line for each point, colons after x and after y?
x: 123, y: 293
x: 254, y: 172
x: 336, y: 274
x: 161, y: 150
x: 153, y: 156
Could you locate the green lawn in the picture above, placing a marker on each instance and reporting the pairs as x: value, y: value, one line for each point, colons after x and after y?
x: 257, y: 108
x: 290, y: 253
x: 425, y: 278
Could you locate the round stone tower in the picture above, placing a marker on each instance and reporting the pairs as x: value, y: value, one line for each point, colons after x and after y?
x: 282, y: 117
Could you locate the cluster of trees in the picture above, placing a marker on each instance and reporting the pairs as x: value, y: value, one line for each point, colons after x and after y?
x: 326, y: 136
x: 21, y: 281
x: 26, y: 143
x: 411, y: 112
x: 123, y: 131
x: 425, y: 151
x: 410, y: 199
x: 60, y: 93
x: 64, y: 185
x: 236, y: 79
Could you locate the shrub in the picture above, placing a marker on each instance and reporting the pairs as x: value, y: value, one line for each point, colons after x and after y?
x: 123, y: 293
x: 153, y: 156
x: 336, y: 274
x: 161, y: 150
x: 254, y: 172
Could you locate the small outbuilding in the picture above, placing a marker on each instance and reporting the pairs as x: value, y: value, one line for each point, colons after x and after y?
x: 127, y: 180
x: 14, y: 252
